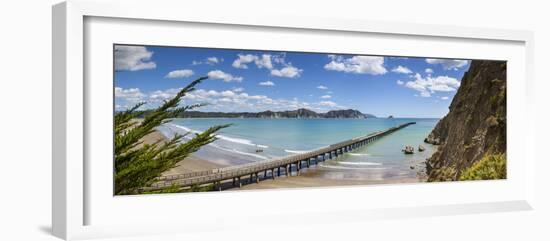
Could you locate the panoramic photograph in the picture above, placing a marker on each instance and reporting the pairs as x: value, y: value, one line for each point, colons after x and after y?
x: 189, y: 119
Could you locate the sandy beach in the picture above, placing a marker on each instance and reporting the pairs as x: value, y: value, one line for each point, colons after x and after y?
x: 190, y: 164
x: 315, y: 177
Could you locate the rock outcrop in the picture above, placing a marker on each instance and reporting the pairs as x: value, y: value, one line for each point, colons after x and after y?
x: 475, y: 125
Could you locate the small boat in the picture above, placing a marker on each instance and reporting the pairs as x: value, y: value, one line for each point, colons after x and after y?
x: 408, y: 150
x: 258, y: 150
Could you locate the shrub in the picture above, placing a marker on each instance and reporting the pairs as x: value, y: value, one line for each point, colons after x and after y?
x: 138, y: 165
x: 444, y: 174
x: 488, y: 168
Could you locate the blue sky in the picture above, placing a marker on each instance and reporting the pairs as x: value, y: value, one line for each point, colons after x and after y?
x: 243, y: 80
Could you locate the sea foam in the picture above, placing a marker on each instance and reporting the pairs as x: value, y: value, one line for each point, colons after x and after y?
x: 225, y: 138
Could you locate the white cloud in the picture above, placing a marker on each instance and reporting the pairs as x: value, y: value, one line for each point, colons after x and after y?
x: 209, y: 60
x: 401, y: 70
x: 267, y: 83
x: 429, y: 85
x: 267, y: 61
x: 227, y: 101
x: 182, y: 73
x: 445, y: 98
x: 429, y: 71
x: 213, y: 60
x: 425, y: 94
x: 322, y: 87
x: 132, y: 93
x: 328, y: 103
x: 218, y: 74
x: 238, y: 89
x: 399, y: 82
x: 133, y: 58
x: 288, y: 72
x: 326, y: 97
x: 127, y: 98
x: 242, y: 60
x: 160, y: 95
x: 357, y: 64
x: 263, y: 61
x: 447, y: 64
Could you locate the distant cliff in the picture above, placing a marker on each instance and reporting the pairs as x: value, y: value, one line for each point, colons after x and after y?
x: 299, y: 113
x: 475, y: 125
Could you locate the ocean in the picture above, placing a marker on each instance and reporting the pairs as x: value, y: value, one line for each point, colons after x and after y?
x: 379, y: 160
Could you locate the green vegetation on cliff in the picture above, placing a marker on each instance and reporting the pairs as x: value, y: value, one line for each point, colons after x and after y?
x: 490, y: 167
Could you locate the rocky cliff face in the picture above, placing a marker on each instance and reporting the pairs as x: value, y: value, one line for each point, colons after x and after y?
x: 475, y: 125
x: 344, y: 114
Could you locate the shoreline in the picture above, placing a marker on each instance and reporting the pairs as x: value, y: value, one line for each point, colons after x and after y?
x: 315, y: 176
x: 192, y: 163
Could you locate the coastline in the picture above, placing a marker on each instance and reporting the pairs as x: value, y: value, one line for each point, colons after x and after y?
x: 315, y: 176
x: 209, y: 158
x: 192, y: 163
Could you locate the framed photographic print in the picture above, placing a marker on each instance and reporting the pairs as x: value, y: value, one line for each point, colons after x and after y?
x: 173, y: 123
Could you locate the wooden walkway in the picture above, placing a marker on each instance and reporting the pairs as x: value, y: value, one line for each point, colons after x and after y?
x: 273, y: 167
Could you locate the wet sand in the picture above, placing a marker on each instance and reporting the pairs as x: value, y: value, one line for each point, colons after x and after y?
x: 314, y: 177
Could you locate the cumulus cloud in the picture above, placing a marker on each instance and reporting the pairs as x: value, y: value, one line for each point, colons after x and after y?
x: 268, y: 61
x: 160, y: 95
x: 267, y: 83
x: 218, y: 74
x: 127, y: 98
x: 328, y: 103
x: 208, y: 60
x: 242, y: 61
x: 263, y: 61
x: 448, y: 64
x: 429, y: 85
x: 445, y: 98
x: 429, y: 71
x: 401, y: 70
x: 132, y: 94
x: 326, y: 97
x: 399, y: 82
x: 322, y: 87
x: 212, y: 60
x: 238, y: 89
x: 182, y: 73
x: 357, y: 64
x: 227, y: 100
x: 133, y: 58
x: 287, y: 72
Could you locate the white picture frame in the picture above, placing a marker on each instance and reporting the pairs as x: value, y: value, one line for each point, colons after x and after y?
x: 72, y: 193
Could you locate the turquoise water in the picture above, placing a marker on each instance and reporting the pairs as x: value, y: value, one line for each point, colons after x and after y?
x: 383, y: 158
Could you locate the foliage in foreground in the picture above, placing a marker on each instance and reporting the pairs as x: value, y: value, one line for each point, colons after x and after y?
x: 138, y: 165
x: 488, y: 168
